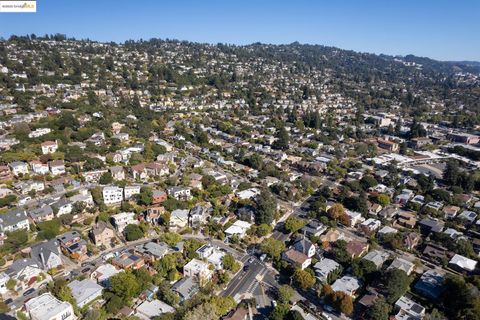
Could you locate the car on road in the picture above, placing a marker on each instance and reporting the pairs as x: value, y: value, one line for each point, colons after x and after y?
x: 246, y: 268
x: 251, y: 259
x: 85, y: 270
x: 29, y: 292
x: 8, y: 301
x: 263, y: 257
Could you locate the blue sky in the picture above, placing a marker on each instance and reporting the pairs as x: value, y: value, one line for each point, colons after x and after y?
x: 440, y: 29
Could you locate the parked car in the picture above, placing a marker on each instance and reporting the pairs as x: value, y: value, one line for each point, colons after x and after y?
x: 28, y: 292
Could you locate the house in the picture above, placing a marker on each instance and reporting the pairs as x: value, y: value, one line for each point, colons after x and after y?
x: 49, y: 147
x: 178, y: 219
x: 122, y: 219
x: 324, y: 267
x: 62, y: 206
x: 386, y: 230
x: 346, y: 284
x: 185, y: 288
x: 377, y: 257
x: 158, y: 196
x: 101, y: 234
x: 417, y: 143
x: 462, y: 263
x: 14, y: 220
x: 117, y: 173
x: 153, y: 251
x: 429, y: 225
x: 199, y: 270
x: 239, y: 313
x: 406, y: 219
x: 73, y: 245
x: 25, y: 272
x: 18, y: 168
x: 112, y: 195
x: 238, y: 228
x: 357, y: 248
x: 130, y: 191
x: 404, y: 197
x: 3, y: 283
x: 370, y: 225
x: 412, y: 240
x: 153, y: 215
x: 305, y: 246
x: 468, y: 216
x: 179, y: 193
x: 402, y: 264
x: 128, y: 261
x: 39, y: 167
x: 151, y: 309
x: 314, y: 228
x: 296, y: 258
x: 451, y: 211
x: 332, y: 235
x: 57, y: 167
x: 353, y: 218
x: 408, y: 309
x: 388, y: 145
x: 47, y: 254
x: 436, y: 253
x: 85, y: 291
x: 47, y: 307
x: 5, y: 174
x: 430, y: 284
x: 41, y: 214
x: 103, y: 273
x: 198, y: 215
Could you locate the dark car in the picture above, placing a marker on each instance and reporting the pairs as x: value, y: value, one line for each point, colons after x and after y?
x: 8, y: 301
x: 28, y: 292
x: 245, y: 268
x: 86, y: 270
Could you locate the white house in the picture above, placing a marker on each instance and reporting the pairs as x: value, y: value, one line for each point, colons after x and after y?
x: 346, y: 284
x: 130, y: 191
x: 122, y: 219
x: 112, y: 195
x: 199, y: 270
x: 85, y: 291
x: 39, y: 167
x: 24, y: 271
x: 179, y: 193
x: 57, y: 167
x: 464, y: 263
x: 47, y: 307
x: 151, y: 309
x: 18, y: 167
x: 39, y: 132
x: 49, y: 147
x: 238, y: 228
x: 14, y: 220
x: 3, y: 282
x: 179, y: 219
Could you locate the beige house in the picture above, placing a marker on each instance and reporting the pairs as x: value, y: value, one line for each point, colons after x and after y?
x: 102, y: 234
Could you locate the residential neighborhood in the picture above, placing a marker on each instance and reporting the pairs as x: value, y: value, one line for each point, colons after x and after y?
x: 164, y: 180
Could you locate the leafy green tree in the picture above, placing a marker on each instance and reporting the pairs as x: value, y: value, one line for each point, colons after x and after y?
x: 336, y: 211
x: 294, y: 224
x: 106, y: 178
x: 266, y: 208
x: 124, y: 285
x: 283, y: 139
x: 229, y: 263
x: 171, y: 238
x: 396, y: 283
x: 222, y: 305
x: 383, y: 200
x: 280, y: 312
x: 303, y: 279
x: 204, y: 311
x: 145, y: 197
x: 379, y: 311
x: 343, y: 302
x: 285, y: 293
x: 272, y: 247
x: 133, y: 232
